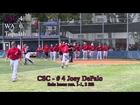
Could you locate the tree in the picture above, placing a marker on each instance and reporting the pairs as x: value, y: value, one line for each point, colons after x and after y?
x: 87, y: 17
x: 62, y: 16
x: 40, y: 16
x: 56, y: 16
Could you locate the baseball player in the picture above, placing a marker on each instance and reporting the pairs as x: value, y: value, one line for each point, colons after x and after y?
x: 57, y: 53
x: 88, y: 52
x: 74, y: 52
x: 18, y: 46
x: 27, y: 58
x: 105, y: 51
x: 14, y: 54
x: 55, y: 50
x: 65, y: 58
x: 85, y: 49
x: 61, y: 45
x: 70, y: 52
x: 46, y: 50
x: 99, y: 51
x: 24, y: 50
x: 78, y: 51
x: 51, y: 52
x: 91, y: 51
x: 39, y: 51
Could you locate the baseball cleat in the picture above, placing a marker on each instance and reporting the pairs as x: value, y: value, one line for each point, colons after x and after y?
x: 14, y: 81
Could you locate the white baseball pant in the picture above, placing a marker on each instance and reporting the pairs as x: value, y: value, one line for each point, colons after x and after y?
x: 91, y: 54
x: 14, y: 68
x: 77, y: 55
x: 51, y: 55
x: 84, y: 54
x: 105, y: 54
x: 74, y: 54
x: 65, y: 58
x: 99, y: 54
x: 54, y: 55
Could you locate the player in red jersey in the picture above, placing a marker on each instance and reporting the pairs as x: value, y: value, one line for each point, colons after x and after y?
x: 51, y: 52
x: 99, y: 51
x: 91, y: 50
x: 55, y: 50
x: 88, y: 52
x: 85, y: 49
x: 46, y: 50
x: 40, y: 51
x: 61, y: 45
x: 78, y: 51
x: 105, y: 51
x: 74, y: 51
x: 24, y: 50
x: 65, y: 58
x: 14, y: 54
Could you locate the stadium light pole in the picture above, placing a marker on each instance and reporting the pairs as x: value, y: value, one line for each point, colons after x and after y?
x: 80, y: 30
x: 103, y: 27
x: 127, y: 34
x: 20, y: 26
x: 39, y: 33
x: 3, y: 35
x: 59, y: 31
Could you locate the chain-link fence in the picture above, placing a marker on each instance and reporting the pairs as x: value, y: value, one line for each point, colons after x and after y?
x: 118, y: 33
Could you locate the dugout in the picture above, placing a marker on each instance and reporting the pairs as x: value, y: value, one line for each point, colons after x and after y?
x: 31, y: 41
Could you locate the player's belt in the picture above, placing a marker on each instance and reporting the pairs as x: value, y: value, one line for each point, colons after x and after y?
x: 13, y: 59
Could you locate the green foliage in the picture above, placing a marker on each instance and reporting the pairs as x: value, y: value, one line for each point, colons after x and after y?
x: 87, y: 16
x: 56, y: 16
x: 41, y: 17
x: 62, y: 16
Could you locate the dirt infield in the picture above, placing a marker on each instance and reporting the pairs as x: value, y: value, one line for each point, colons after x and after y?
x: 108, y: 62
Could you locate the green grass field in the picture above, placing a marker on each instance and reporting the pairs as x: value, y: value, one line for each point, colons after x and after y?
x: 116, y: 78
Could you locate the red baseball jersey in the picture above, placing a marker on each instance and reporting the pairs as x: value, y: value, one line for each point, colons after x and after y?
x: 24, y: 49
x: 85, y: 47
x: 105, y: 48
x: 118, y: 48
x: 39, y: 49
x: 99, y: 48
x: 88, y: 47
x: 61, y: 47
x: 74, y: 48
x: 14, y: 53
x: 51, y: 49
x: 55, y: 48
x: 77, y: 48
x: 65, y: 49
x: 46, y: 49
x: 91, y: 48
